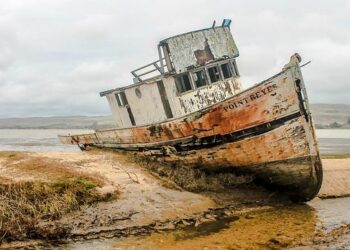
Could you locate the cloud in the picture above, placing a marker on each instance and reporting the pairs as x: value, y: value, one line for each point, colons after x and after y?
x: 97, y: 27
x: 7, y: 45
x: 57, y: 55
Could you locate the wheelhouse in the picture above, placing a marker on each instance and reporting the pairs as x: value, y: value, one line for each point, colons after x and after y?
x: 195, y: 70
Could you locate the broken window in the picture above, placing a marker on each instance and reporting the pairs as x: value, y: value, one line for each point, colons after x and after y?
x: 183, y: 83
x: 199, y: 78
x: 226, y: 70
x: 214, y: 74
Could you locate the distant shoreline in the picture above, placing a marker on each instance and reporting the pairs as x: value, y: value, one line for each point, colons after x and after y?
x: 325, y: 116
x: 73, y: 122
x: 41, y: 128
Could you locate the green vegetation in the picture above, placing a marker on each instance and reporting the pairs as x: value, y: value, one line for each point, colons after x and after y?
x: 320, y: 126
x: 335, y: 125
x: 326, y: 114
x: 8, y: 154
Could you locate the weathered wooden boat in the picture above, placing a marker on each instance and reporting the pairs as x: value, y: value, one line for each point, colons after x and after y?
x: 188, y: 107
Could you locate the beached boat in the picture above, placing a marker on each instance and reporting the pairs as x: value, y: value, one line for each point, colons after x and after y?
x: 188, y: 107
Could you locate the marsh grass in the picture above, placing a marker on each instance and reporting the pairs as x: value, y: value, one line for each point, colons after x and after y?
x: 11, y: 156
x: 23, y: 204
x: 53, y: 190
x: 7, y: 154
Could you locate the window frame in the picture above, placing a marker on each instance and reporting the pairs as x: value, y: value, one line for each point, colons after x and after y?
x: 189, y: 79
x: 231, y: 69
x: 203, y: 69
x: 218, y: 71
x: 231, y: 64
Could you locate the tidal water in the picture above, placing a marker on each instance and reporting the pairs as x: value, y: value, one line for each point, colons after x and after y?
x: 331, y: 141
x: 269, y: 229
x: 334, y: 141
x: 36, y: 140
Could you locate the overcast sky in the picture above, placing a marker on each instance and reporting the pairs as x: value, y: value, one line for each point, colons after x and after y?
x: 57, y: 55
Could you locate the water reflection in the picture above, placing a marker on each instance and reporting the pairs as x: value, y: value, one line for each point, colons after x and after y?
x: 275, y: 227
x: 332, y: 213
x: 36, y: 140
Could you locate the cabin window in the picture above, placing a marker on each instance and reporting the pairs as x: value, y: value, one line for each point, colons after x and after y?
x: 199, y: 78
x: 183, y: 83
x: 121, y: 99
x: 214, y: 74
x: 226, y: 70
x: 138, y: 92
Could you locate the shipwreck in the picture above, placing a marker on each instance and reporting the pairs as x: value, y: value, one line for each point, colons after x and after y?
x: 189, y: 107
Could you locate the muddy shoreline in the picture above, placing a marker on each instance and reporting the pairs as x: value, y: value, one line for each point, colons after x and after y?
x: 152, y: 205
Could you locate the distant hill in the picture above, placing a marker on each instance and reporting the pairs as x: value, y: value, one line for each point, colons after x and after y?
x: 58, y: 122
x: 325, y: 116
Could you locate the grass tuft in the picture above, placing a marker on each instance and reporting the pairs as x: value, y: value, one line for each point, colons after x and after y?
x: 23, y: 204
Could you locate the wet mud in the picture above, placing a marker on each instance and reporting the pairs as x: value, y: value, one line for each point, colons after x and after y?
x: 296, y: 226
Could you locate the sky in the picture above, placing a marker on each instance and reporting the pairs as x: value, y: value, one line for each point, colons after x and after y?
x: 57, y: 55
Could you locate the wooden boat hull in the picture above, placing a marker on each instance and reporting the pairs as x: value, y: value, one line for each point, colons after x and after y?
x: 267, y: 156
x: 266, y: 130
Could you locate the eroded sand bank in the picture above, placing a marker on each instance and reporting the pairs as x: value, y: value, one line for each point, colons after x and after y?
x: 143, y: 198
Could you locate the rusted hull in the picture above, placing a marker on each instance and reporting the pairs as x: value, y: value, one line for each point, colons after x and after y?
x: 280, y: 158
x: 266, y: 130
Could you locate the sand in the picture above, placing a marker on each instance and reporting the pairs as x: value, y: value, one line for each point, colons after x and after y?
x: 143, y: 199
x: 336, y: 178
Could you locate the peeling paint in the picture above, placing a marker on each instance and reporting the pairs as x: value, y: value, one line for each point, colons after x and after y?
x: 182, y: 47
x: 204, y: 55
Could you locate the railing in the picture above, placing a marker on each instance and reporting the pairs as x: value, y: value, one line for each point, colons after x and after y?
x: 148, y: 71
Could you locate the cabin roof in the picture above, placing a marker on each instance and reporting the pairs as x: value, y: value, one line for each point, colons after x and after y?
x: 227, y: 24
